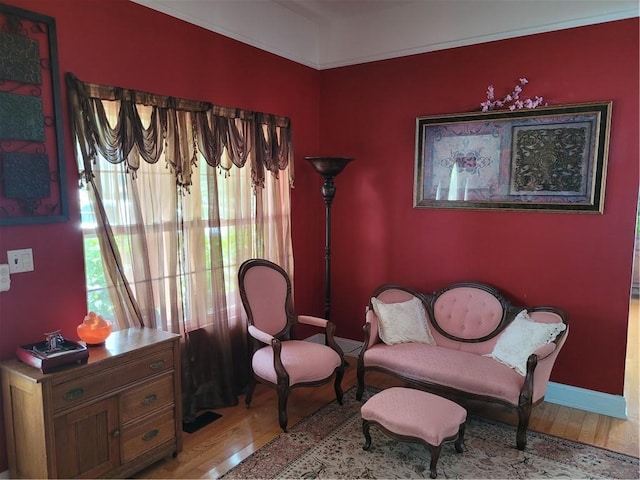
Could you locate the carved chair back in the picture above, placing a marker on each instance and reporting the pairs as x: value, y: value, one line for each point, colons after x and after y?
x: 265, y: 290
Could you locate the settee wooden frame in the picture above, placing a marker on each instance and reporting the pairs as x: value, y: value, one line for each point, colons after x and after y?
x: 525, y: 403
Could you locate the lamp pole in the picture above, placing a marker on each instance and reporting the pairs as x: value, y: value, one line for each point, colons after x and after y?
x: 328, y: 167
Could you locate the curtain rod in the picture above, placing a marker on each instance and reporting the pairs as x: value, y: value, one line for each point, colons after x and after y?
x: 107, y: 92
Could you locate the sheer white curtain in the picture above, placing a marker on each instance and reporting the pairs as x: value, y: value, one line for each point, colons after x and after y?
x: 174, y: 227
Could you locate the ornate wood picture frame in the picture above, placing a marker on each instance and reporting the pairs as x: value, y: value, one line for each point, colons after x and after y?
x: 32, y: 167
x: 549, y: 158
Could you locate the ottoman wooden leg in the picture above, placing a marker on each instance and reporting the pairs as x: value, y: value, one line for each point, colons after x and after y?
x: 435, y: 450
x: 460, y: 439
x: 366, y: 425
x: 435, y: 455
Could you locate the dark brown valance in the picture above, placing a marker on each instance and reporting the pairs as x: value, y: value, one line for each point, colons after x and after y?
x: 180, y: 129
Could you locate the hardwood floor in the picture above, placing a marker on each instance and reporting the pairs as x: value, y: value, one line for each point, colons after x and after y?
x: 214, y: 449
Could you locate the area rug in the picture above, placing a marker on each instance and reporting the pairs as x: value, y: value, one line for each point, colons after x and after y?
x: 328, y: 444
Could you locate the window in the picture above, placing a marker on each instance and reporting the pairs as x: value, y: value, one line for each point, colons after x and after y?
x: 97, y: 294
x: 179, y: 192
x: 192, y: 241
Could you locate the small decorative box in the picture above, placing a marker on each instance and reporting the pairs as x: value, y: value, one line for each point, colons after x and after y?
x: 54, y: 352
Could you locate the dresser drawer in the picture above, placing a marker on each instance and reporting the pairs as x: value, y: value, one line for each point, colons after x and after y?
x: 77, y: 391
x: 142, y: 437
x: 146, y: 398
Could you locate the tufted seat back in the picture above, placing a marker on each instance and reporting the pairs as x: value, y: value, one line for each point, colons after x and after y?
x: 468, y: 314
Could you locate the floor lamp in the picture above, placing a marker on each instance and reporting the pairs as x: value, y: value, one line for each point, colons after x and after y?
x: 328, y: 167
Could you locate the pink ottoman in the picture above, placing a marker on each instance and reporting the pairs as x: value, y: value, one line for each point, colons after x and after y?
x: 415, y: 416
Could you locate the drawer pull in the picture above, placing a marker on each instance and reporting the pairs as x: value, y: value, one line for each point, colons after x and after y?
x: 115, y: 433
x: 150, y: 435
x: 156, y: 365
x: 149, y: 399
x: 74, y: 394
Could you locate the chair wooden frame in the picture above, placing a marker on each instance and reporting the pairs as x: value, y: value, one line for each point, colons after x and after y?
x: 260, y: 339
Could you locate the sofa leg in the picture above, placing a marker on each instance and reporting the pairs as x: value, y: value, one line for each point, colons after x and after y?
x: 524, y: 412
x: 521, y: 439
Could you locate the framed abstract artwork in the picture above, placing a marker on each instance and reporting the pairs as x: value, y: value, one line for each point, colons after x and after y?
x: 549, y: 158
x: 32, y: 173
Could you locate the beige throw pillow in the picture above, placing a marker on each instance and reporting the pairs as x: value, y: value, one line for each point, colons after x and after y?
x: 521, y: 338
x: 402, y: 322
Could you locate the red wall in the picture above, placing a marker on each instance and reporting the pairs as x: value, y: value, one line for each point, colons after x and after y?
x: 580, y: 262
x: 118, y: 42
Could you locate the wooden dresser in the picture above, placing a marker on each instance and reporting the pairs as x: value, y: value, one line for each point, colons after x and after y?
x: 110, y: 417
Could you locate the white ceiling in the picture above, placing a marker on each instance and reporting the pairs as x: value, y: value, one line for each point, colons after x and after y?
x: 332, y: 33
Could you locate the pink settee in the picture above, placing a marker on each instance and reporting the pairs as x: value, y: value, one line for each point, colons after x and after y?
x: 466, y: 342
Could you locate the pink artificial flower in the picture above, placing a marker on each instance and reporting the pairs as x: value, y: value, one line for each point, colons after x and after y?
x: 512, y: 100
x: 490, y: 92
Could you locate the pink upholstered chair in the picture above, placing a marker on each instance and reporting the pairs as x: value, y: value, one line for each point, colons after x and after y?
x: 277, y: 360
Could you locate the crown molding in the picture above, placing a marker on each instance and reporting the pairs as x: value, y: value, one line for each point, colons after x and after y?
x: 427, y: 25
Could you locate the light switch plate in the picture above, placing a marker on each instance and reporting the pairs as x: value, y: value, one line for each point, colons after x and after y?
x: 20, y: 260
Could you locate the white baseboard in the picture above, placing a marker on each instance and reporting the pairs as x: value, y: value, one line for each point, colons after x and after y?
x: 588, y: 400
x: 565, y: 395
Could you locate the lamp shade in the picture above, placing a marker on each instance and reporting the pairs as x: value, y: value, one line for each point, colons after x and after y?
x: 329, y: 166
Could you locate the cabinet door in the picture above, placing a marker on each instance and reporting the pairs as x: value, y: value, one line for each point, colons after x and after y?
x: 87, y: 440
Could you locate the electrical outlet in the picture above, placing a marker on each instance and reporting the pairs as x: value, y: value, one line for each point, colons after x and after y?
x: 20, y: 260
x: 5, y: 278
